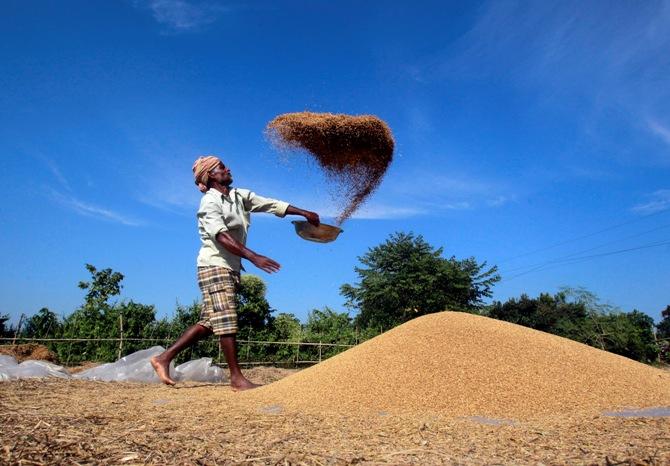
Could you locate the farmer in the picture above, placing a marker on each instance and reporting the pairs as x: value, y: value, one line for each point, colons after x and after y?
x: 223, y: 221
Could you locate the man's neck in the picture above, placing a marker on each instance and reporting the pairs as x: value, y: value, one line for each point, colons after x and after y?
x: 221, y: 188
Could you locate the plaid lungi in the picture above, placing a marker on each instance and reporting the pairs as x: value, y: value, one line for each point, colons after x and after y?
x: 219, y: 302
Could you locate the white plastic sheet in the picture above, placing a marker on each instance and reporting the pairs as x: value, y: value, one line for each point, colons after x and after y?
x: 198, y: 370
x: 9, y: 369
x: 135, y: 367
x: 7, y: 360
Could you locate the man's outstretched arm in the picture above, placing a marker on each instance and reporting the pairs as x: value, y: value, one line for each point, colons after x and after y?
x: 312, y: 217
x: 231, y: 244
x: 256, y: 203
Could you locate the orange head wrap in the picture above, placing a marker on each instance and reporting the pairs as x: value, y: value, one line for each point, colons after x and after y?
x: 201, y: 169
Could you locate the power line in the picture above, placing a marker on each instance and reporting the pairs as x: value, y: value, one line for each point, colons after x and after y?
x: 590, y: 249
x: 588, y: 235
x: 584, y: 258
x: 575, y: 260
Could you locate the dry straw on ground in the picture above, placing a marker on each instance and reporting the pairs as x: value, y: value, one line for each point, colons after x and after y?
x: 29, y: 351
x: 60, y: 422
x: 460, y: 364
x: 354, y: 151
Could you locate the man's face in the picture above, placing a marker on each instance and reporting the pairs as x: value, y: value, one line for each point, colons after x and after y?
x: 221, y: 175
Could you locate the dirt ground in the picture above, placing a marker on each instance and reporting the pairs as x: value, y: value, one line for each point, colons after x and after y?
x: 53, y: 421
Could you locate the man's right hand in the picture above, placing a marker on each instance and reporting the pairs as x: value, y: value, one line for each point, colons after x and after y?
x: 265, y: 264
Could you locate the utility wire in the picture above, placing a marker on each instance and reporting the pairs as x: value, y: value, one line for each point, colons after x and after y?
x: 584, y: 258
x: 577, y: 238
x: 589, y: 249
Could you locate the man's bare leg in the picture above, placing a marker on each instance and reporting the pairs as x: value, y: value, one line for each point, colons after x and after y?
x: 161, y: 363
x: 237, y: 381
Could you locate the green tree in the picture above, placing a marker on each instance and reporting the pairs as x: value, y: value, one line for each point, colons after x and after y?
x: 577, y: 314
x: 185, y: 317
x: 5, y: 330
x: 92, y: 320
x: 327, y: 326
x: 97, y: 318
x: 630, y: 334
x: 254, y: 312
x: 663, y: 335
x: 663, y: 326
x: 44, y: 324
x: 405, y: 277
x: 547, y: 313
x: 136, y: 320
x: 103, y: 285
x: 254, y: 319
x: 285, y: 327
x: 607, y: 327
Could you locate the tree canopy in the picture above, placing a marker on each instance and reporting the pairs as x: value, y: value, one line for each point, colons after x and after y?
x: 402, y: 278
x: 254, y: 311
x: 577, y: 314
x: 664, y: 325
x: 406, y: 277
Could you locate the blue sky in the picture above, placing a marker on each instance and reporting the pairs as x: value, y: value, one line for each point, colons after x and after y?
x: 531, y: 135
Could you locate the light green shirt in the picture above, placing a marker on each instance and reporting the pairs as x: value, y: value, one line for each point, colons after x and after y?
x: 219, y: 213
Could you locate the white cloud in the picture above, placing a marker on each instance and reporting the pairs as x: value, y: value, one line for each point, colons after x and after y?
x: 387, y: 212
x: 183, y: 15
x: 69, y: 201
x: 176, y: 192
x: 429, y: 195
x: 58, y: 175
x: 436, y: 193
x: 659, y: 130
x: 376, y: 211
x: 91, y: 210
x: 172, y: 196
x: 430, y: 199
x: 497, y: 201
x: 659, y: 201
x: 331, y: 209
x: 456, y: 185
x: 52, y: 166
x: 588, y: 171
x: 605, y: 60
x: 562, y: 44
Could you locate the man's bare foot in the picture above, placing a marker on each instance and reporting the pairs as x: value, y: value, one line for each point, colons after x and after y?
x: 162, y: 370
x: 240, y: 383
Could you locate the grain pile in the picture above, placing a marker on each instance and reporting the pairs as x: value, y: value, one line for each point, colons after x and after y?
x: 459, y: 364
x: 353, y: 151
